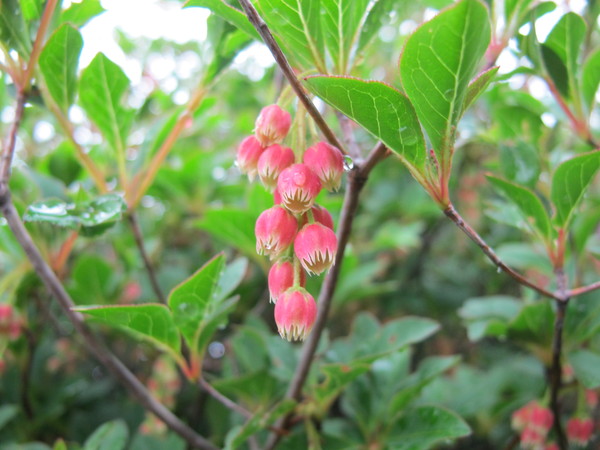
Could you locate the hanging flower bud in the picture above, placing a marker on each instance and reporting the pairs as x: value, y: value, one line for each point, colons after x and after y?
x: 275, y: 230
x: 298, y: 187
x: 272, y: 162
x: 248, y: 153
x: 315, y: 247
x: 281, y: 278
x: 327, y: 162
x: 579, y: 430
x: 276, y: 197
x: 295, y: 314
x: 272, y: 125
x: 320, y: 215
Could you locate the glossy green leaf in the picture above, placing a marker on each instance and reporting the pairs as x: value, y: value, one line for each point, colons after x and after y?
x: 590, y: 79
x: 341, y: 27
x: 58, y: 63
x: 227, y: 12
x: 569, y: 184
x: 13, y: 29
x: 111, y: 435
x: 232, y: 276
x: 529, y: 204
x: 438, y: 62
x: 152, y: 322
x: 101, y: 88
x: 426, y: 425
x: 479, y: 85
x: 81, y: 13
x: 382, y: 110
x: 91, y: 217
x: 585, y: 364
x: 297, y: 25
x: 489, y: 316
x: 32, y: 9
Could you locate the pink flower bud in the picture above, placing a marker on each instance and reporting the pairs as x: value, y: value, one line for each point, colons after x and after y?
x: 272, y: 162
x: 281, y: 278
x: 6, y: 313
x: 248, y: 153
x: 531, y: 438
x: 275, y: 231
x: 533, y: 415
x: 295, y: 314
x: 276, y: 197
x: 327, y: 162
x: 320, y: 215
x: 315, y: 246
x: 579, y: 431
x: 272, y: 125
x: 298, y: 187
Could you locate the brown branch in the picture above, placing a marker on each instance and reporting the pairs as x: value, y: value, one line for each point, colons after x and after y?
x: 139, y: 241
x: 455, y: 217
x: 9, y: 144
x: 225, y: 401
x: 583, y: 290
x: 287, y: 70
x: 356, y: 181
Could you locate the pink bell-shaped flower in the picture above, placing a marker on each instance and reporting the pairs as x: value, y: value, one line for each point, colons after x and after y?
x: 327, y: 162
x: 272, y: 162
x: 298, y: 187
x: 248, y: 154
x: 275, y: 230
x: 295, y: 314
x: 579, y: 430
x: 272, y: 125
x: 320, y: 215
x: 281, y: 278
x: 315, y: 246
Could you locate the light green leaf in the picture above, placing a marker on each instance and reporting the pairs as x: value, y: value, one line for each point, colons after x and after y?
x: 590, y: 79
x: 101, y: 88
x: 297, y: 25
x: 111, y: 435
x: 489, y: 316
x: 382, y: 110
x: 520, y: 162
x: 479, y: 85
x: 337, y: 377
x: 58, y: 63
x: 81, y: 13
x: 569, y: 183
x: 227, y: 12
x: 585, y: 364
x: 32, y: 9
x: 152, y: 322
x: 381, y: 9
x: 438, y: 62
x: 425, y: 426
x: 93, y: 281
x: 13, y: 30
x: 529, y: 205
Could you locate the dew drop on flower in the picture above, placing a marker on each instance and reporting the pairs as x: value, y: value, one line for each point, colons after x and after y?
x: 348, y: 163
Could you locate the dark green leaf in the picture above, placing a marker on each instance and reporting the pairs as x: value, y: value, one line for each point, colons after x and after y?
x: 63, y: 164
x: 111, y: 435
x: 425, y: 426
x: 152, y: 322
x: 227, y: 12
x: 585, y: 364
x: 557, y: 69
x: 337, y: 377
x: 93, y: 281
x: 101, y: 88
x: 529, y: 204
x: 380, y: 109
x: 58, y: 63
x: 438, y: 62
x: 81, y: 13
x: 13, y: 30
x: 32, y: 9
x: 590, y: 79
x: 7, y: 413
x: 569, y: 184
x: 533, y: 324
x: 479, y: 85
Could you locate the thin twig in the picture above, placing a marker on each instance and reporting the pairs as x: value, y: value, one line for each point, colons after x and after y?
x: 356, y: 181
x: 11, y: 139
x: 455, y: 217
x: 225, y: 401
x: 139, y: 241
x: 583, y: 290
x: 287, y: 70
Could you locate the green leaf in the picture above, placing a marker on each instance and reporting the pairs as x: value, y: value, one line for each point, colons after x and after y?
x: 58, y: 63
x: 529, y: 205
x: 7, y: 413
x: 341, y: 26
x: 101, y: 88
x: 590, y: 79
x: 382, y: 110
x: 81, y: 13
x: 227, y: 12
x: 557, y: 69
x: 13, y: 30
x: 514, y: 9
x: 569, y: 183
x: 152, y: 322
x: 93, y: 281
x: 32, y: 9
x: 585, y: 364
x: 59, y: 444
x: 533, y: 324
x: 377, y: 13
x: 438, y: 62
x: 520, y: 162
x: 232, y: 276
x: 92, y: 217
x: 425, y: 426
x: 489, y: 316
x: 337, y: 377
x: 297, y: 25
x: 111, y: 435
x: 479, y: 85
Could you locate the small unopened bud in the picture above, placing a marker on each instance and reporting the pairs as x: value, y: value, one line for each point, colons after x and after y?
x: 533, y: 416
x: 579, y: 430
x: 248, y: 153
x: 272, y: 125
x: 275, y: 230
x: 315, y: 246
x: 327, y: 162
x: 298, y: 187
x: 295, y: 314
x: 272, y: 162
x: 281, y: 278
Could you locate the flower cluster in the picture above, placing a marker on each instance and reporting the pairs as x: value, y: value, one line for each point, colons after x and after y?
x: 295, y: 233
x: 533, y: 421
x: 10, y: 324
